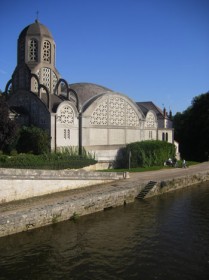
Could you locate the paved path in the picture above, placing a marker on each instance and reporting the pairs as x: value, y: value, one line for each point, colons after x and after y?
x: 171, y: 172
x: 138, y: 178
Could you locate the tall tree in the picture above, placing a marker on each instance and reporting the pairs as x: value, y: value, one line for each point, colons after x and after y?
x: 192, y: 129
x: 8, y: 127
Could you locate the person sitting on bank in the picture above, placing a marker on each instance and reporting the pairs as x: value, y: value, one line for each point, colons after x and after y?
x: 184, y: 165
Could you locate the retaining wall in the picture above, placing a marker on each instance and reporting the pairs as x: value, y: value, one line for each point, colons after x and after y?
x: 169, y: 185
x: 16, y: 184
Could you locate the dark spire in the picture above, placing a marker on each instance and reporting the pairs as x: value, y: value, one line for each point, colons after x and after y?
x: 37, y: 13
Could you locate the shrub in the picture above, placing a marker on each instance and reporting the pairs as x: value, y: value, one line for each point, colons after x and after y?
x: 73, y: 152
x: 45, y: 161
x: 33, y: 140
x: 145, y: 154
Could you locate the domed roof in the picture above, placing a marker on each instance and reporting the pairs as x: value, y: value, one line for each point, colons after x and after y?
x: 35, y: 28
x: 85, y: 91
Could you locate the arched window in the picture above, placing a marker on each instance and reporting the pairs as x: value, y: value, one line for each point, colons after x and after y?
x: 33, y: 50
x: 163, y: 136
x: 46, y: 77
x: 166, y: 137
x: 47, y: 51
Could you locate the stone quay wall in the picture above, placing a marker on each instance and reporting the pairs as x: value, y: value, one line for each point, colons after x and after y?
x: 17, y: 184
x: 40, y: 211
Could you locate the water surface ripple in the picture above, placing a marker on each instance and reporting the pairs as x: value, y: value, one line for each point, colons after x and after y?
x: 165, y: 237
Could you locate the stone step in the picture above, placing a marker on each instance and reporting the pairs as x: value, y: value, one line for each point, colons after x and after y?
x: 146, y: 189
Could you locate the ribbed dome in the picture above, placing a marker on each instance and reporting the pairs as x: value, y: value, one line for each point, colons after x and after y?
x: 36, y: 28
x: 85, y: 91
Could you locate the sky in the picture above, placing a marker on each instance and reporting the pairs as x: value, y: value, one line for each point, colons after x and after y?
x: 149, y: 50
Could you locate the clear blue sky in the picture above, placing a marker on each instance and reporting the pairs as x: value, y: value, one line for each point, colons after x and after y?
x: 150, y: 50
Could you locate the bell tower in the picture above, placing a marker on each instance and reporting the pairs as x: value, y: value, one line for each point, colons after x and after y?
x: 35, y: 59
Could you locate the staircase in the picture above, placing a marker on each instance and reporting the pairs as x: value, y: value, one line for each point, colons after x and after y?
x: 146, y: 189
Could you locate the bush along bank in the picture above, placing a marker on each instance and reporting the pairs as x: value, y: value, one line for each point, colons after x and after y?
x: 53, y: 161
x: 145, y: 154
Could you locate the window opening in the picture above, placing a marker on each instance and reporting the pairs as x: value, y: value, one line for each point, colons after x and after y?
x: 47, y: 51
x: 33, y: 50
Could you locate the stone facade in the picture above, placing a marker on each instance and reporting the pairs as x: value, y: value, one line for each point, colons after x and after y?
x: 77, y: 115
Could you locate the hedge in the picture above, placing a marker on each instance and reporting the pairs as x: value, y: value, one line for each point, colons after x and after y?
x: 45, y: 161
x: 145, y: 154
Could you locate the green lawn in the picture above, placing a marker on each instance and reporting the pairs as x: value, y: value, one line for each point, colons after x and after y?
x: 151, y: 168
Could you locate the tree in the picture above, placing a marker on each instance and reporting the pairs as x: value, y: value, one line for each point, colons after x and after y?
x: 192, y: 129
x: 33, y: 140
x: 8, y: 127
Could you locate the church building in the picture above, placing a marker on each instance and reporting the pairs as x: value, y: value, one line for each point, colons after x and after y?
x: 81, y: 115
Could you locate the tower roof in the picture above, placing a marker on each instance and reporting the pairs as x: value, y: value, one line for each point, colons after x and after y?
x: 35, y: 28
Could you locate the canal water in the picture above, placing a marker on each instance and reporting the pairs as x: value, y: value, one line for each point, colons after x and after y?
x: 165, y: 237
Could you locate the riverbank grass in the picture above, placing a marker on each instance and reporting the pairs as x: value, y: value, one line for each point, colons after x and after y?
x: 149, y: 168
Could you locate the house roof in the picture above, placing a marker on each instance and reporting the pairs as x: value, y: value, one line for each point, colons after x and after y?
x: 149, y: 105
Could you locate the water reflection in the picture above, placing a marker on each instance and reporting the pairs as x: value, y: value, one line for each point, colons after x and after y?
x: 165, y: 237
